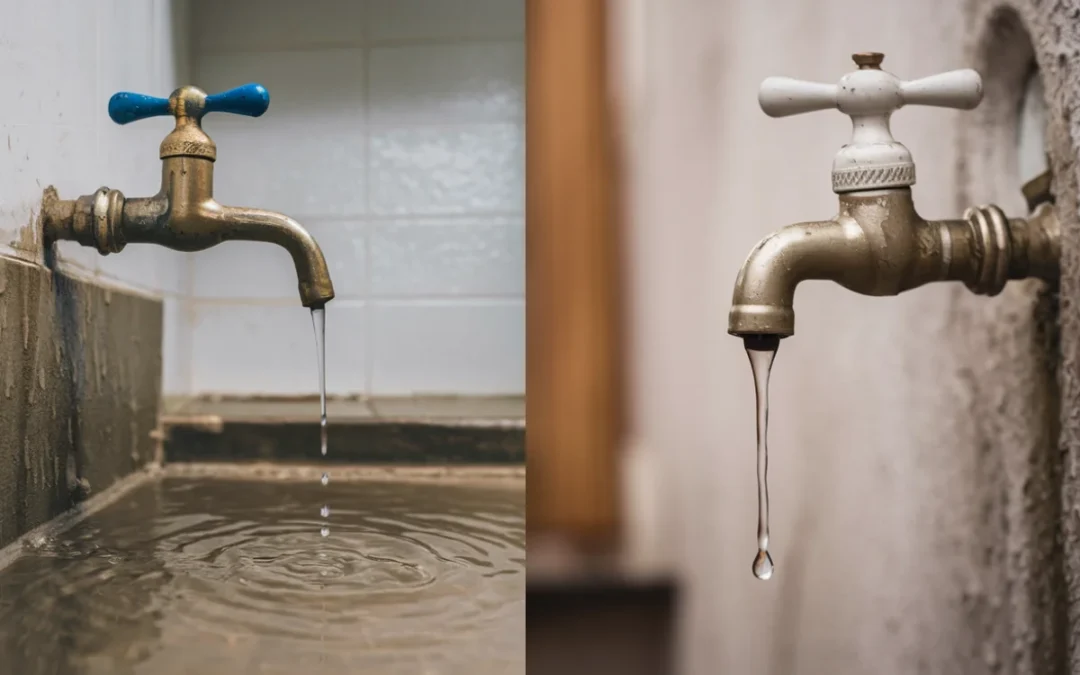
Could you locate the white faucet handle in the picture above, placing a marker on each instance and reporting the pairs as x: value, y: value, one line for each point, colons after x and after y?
x: 873, y: 160
x: 783, y: 96
x: 960, y: 89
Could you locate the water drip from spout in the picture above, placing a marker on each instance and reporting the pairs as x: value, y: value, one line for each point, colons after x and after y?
x: 318, y: 321
x: 762, y: 352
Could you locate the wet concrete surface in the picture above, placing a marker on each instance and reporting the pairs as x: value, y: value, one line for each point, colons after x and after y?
x: 233, y: 576
x: 471, y: 410
x: 80, y: 383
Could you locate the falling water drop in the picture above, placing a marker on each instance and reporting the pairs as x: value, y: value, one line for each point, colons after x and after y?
x: 318, y: 321
x: 763, y: 565
x: 762, y: 351
x: 322, y: 425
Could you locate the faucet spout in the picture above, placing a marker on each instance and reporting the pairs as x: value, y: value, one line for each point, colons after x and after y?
x: 764, y: 297
x: 183, y: 216
x: 312, y: 273
x: 879, y: 245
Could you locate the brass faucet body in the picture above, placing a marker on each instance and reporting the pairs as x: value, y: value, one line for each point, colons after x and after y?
x: 879, y: 245
x: 183, y: 215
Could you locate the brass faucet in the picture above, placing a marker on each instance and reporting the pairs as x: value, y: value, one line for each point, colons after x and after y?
x: 183, y: 214
x: 878, y: 244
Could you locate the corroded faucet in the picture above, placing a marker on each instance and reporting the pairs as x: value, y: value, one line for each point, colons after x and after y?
x: 183, y: 214
x: 878, y: 244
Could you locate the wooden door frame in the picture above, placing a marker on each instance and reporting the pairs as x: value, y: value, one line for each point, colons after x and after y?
x: 574, y: 393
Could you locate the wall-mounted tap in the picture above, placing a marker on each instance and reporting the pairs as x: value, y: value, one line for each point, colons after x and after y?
x: 183, y: 214
x: 878, y: 244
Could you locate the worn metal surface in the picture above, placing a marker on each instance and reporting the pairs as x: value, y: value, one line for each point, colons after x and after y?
x: 879, y: 245
x: 183, y: 215
x: 80, y: 373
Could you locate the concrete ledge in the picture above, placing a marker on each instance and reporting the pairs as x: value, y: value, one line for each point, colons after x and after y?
x: 466, y: 474
x: 410, y: 431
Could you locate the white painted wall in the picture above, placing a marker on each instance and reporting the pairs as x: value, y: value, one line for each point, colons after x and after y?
x: 395, y: 134
x: 60, y: 62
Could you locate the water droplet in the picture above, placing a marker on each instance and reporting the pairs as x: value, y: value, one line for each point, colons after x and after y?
x: 325, y: 478
x: 325, y: 511
x: 763, y: 565
x: 326, y: 533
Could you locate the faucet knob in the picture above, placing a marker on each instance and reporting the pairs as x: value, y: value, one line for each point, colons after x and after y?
x: 250, y: 99
x: 873, y: 160
x: 188, y: 105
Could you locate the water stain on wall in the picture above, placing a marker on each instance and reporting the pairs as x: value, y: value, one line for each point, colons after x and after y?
x: 80, y: 381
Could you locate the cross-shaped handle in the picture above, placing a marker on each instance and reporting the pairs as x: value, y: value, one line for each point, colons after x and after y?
x: 873, y: 160
x: 250, y: 99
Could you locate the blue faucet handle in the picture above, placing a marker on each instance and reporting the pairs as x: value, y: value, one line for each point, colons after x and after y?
x: 125, y: 107
x: 250, y: 99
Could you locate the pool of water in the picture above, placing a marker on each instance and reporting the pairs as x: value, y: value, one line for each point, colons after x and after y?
x: 188, y: 575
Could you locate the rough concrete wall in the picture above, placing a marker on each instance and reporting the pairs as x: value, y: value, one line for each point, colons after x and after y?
x: 998, y: 414
x: 1055, y: 30
x: 80, y: 372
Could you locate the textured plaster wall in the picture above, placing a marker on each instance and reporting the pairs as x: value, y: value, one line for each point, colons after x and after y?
x: 915, y: 469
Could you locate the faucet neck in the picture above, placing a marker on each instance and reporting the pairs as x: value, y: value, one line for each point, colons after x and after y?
x: 188, y: 105
x: 187, y: 180
x: 889, y: 207
x: 188, y: 140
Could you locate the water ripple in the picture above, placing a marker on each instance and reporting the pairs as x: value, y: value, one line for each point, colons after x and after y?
x: 189, y: 574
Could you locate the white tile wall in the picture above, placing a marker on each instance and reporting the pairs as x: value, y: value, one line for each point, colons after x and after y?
x: 478, y: 256
x: 395, y: 134
x: 60, y: 62
x: 273, y: 347
x: 432, y: 170
x: 445, y: 20
x: 447, y: 84
x: 449, y: 347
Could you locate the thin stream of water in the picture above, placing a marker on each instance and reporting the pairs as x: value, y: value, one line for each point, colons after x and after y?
x: 318, y: 321
x: 762, y: 352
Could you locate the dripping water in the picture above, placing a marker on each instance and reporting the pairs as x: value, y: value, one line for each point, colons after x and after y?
x: 762, y: 351
x: 318, y: 320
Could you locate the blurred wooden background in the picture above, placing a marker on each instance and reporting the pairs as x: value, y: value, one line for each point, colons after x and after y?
x: 573, y: 339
